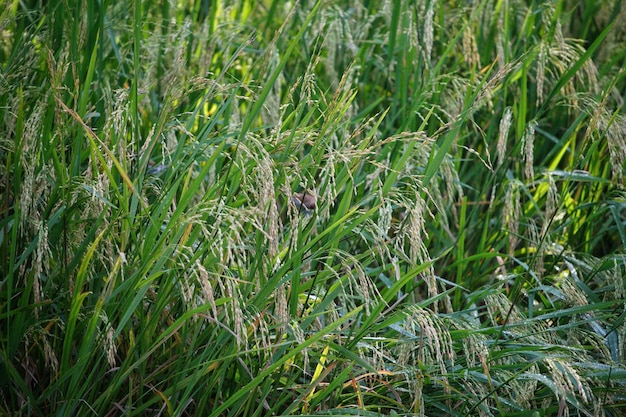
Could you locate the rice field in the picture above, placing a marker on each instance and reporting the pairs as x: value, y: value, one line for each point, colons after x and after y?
x: 257, y: 208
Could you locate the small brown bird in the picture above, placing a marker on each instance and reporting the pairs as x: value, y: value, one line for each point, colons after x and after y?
x: 305, y: 202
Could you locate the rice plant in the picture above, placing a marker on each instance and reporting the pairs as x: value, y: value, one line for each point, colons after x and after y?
x: 255, y: 208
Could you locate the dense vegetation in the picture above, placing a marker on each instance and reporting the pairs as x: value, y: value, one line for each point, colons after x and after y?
x: 462, y: 246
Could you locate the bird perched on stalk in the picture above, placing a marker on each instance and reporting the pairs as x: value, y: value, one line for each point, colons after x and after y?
x: 305, y: 202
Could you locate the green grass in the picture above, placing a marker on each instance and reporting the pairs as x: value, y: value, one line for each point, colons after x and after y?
x: 466, y: 254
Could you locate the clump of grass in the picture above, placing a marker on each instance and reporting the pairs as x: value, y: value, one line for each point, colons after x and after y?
x: 460, y: 251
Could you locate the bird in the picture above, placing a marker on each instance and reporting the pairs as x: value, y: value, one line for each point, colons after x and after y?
x: 305, y: 202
